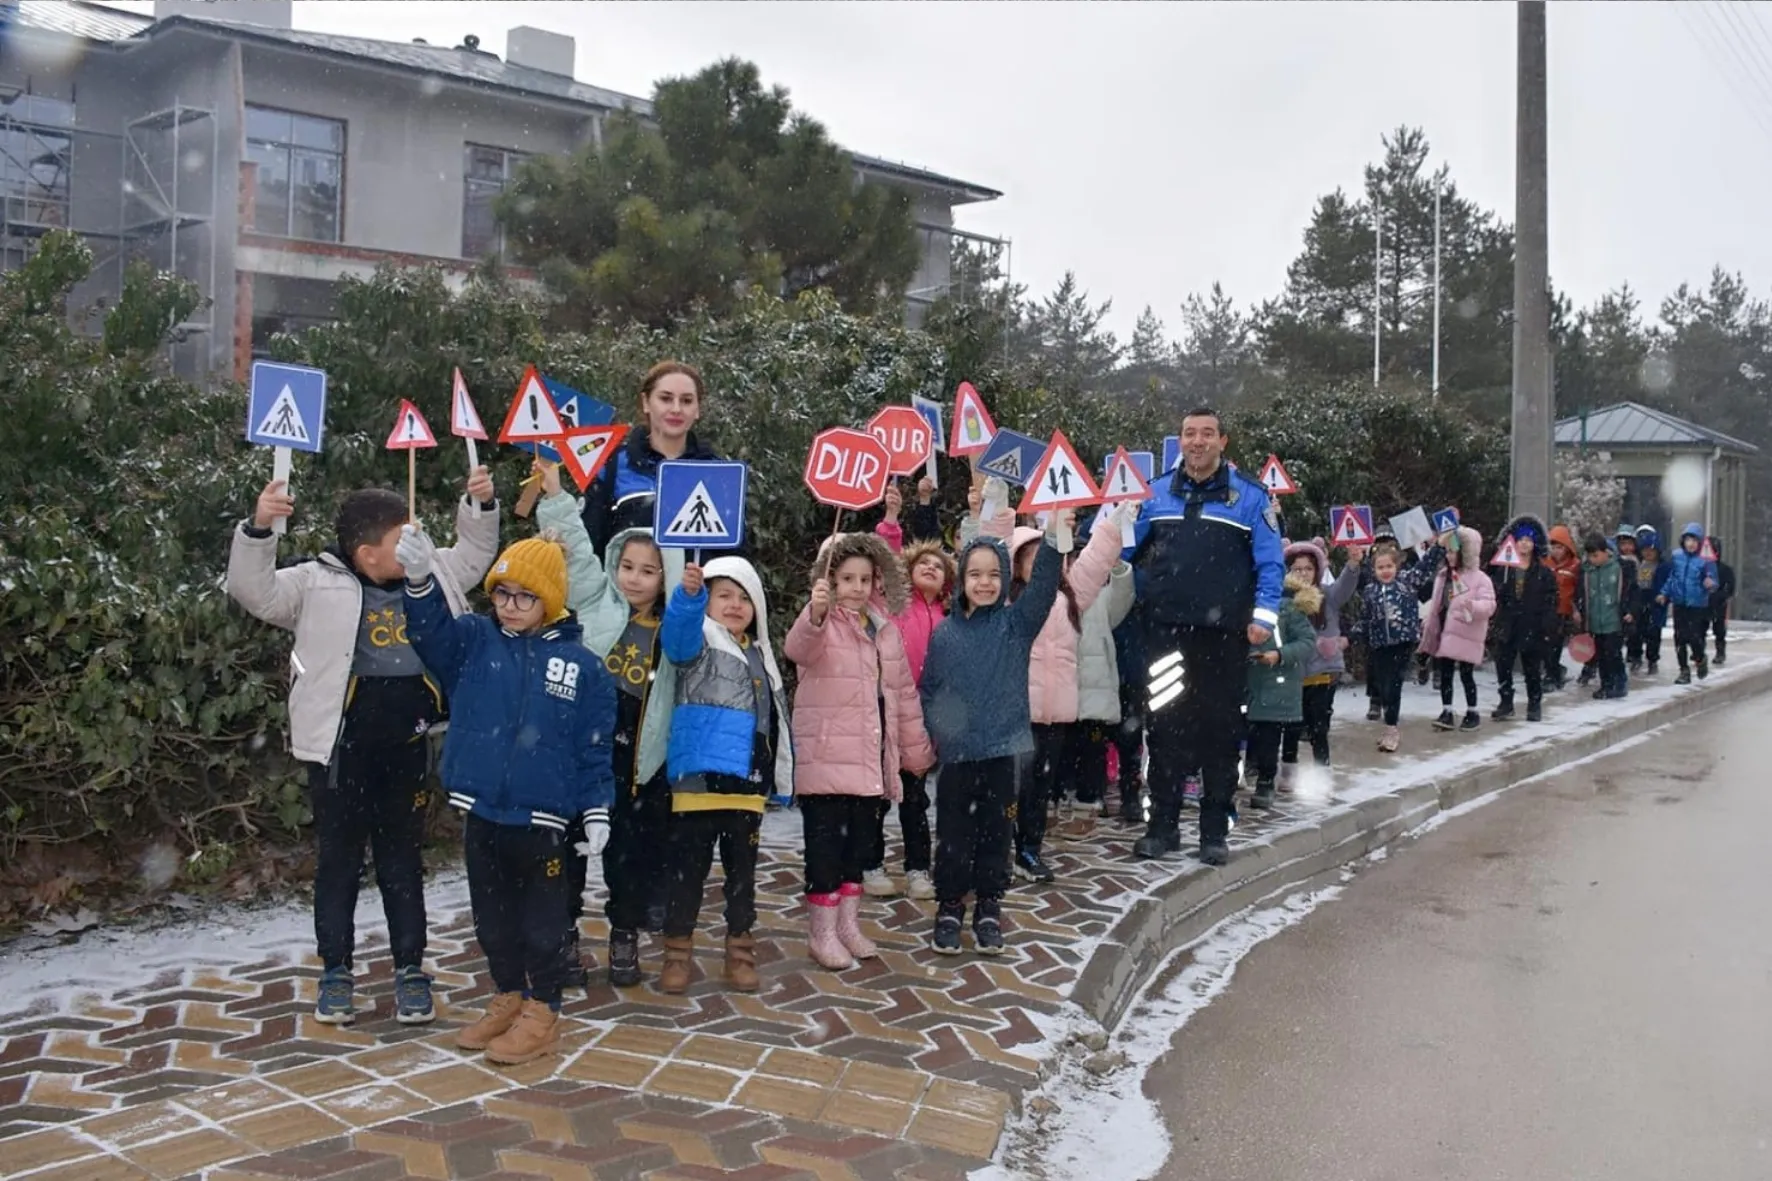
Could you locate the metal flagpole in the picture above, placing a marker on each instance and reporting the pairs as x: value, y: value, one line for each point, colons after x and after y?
x: 1377, y: 284
x: 1438, y: 184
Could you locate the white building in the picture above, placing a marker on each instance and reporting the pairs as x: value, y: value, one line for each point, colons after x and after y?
x: 265, y: 163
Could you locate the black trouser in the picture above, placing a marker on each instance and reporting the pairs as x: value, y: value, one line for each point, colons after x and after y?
x: 1319, y: 713
x: 689, y: 857
x: 1264, y: 749
x: 372, y: 793
x: 519, y: 886
x: 1645, y: 637
x: 1088, y: 769
x: 974, y: 817
x: 1201, y: 729
x: 1609, y: 658
x: 1467, y: 673
x: 633, y: 860
x: 1719, y: 623
x: 913, y: 821
x: 1388, y: 668
x: 1531, y: 659
x: 1690, y: 625
x: 843, y: 837
x: 1128, y: 738
x: 1043, y: 777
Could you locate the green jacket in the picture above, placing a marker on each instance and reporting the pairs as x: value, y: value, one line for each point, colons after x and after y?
x: 1276, y: 694
x: 603, y: 613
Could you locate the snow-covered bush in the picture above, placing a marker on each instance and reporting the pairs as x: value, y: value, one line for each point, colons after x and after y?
x: 1590, y: 493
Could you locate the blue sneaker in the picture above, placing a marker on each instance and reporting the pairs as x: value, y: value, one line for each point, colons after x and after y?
x: 412, y: 997
x: 337, y: 990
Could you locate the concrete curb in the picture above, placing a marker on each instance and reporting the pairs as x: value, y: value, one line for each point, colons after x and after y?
x: 1185, y: 907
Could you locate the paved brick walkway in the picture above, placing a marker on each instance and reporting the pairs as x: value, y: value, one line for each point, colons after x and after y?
x: 906, y: 1067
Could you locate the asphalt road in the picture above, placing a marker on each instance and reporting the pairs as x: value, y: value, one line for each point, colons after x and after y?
x: 1573, y: 982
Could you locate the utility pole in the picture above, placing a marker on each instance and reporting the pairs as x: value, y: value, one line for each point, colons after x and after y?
x: 1531, y: 489
x: 1438, y: 185
x: 1377, y: 284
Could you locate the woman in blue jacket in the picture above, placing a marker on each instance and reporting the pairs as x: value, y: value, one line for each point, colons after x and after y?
x: 623, y: 495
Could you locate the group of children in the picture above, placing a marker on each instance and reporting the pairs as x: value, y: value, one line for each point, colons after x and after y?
x: 625, y: 703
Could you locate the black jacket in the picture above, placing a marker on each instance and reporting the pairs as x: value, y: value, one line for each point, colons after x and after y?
x: 623, y: 494
x: 1526, y: 607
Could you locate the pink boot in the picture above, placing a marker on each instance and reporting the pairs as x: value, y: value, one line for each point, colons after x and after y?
x: 822, y: 940
x: 849, y: 923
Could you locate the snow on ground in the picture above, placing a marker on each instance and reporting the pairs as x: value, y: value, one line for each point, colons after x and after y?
x: 1058, y: 1136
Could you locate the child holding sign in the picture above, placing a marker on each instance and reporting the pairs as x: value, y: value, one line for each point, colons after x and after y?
x: 857, y: 723
x: 360, y: 703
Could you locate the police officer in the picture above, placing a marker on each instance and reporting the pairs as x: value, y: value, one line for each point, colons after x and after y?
x: 1211, y: 572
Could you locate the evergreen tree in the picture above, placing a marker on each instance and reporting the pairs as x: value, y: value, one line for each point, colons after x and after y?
x: 1217, y: 350
x: 1077, y: 353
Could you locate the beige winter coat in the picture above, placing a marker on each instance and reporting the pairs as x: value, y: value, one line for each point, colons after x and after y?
x: 320, y: 601
x: 1098, y: 667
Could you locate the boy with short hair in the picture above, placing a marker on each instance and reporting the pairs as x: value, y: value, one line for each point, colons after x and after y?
x: 1606, y: 605
x: 360, y: 705
x: 527, y: 758
x: 728, y: 752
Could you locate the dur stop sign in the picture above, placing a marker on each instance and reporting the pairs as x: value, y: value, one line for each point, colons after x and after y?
x: 847, y: 468
x: 906, y: 436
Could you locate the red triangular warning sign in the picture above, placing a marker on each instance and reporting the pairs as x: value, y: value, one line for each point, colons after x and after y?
x: 973, y: 427
x: 1059, y: 480
x: 464, y: 420
x: 585, y: 449
x: 1276, y: 479
x: 533, y: 417
x: 1508, y: 554
x: 411, y: 431
x: 1123, y: 480
x: 1707, y: 551
x: 1347, y: 527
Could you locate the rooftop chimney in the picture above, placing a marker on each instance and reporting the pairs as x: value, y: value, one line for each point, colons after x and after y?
x: 274, y: 14
x: 539, y: 49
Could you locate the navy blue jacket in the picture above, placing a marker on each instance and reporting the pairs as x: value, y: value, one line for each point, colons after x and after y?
x: 533, y: 716
x: 1209, y: 553
x: 624, y: 492
x: 1688, y: 572
x: 975, y: 678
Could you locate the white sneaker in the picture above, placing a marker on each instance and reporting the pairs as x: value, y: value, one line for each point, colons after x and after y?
x: 877, y: 883
x: 919, y: 885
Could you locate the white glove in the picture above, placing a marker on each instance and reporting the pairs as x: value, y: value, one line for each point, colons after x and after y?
x: 415, y: 552
x: 596, y: 823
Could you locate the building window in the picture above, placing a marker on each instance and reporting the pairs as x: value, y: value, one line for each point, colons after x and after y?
x: 301, y: 169
x: 486, y: 172
x: 36, y: 159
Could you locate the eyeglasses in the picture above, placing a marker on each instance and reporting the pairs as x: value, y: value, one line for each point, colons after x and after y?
x: 522, y: 600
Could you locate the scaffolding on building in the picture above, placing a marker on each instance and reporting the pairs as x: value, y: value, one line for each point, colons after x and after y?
x: 169, y: 201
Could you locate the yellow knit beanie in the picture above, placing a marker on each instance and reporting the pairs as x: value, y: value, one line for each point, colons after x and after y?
x: 539, y: 567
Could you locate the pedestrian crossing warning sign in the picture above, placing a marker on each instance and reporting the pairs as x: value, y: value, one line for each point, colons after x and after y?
x: 1508, y: 554
x: 284, y: 423
x: 1350, y: 525
x: 698, y: 517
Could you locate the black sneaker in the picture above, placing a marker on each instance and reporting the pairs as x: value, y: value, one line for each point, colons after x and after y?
x: 1534, y: 711
x: 1374, y: 712
x: 1263, y: 799
x: 1471, y: 720
x: 1503, y: 712
x: 1654, y: 669
x: 624, y: 959
x: 1685, y: 678
x: 1722, y: 656
x: 947, y: 929
x: 987, y: 934
x: 1635, y: 667
x: 1445, y: 721
x: 1703, y: 668
x: 1215, y: 852
x: 1154, y: 844
x: 1029, y: 868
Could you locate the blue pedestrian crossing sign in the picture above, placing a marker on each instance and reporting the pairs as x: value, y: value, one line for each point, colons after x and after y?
x: 1011, y: 457
x: 1445, y: 521
x: 700, y: 504
x: 287, y: 406
x: 1171, y: 453
x: 576, y: 410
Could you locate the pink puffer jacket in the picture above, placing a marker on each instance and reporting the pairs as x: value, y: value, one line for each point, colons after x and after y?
x: 839, y: 748
x: 1052, y: 673
x: 916, y: 623
x: 1467, y: 615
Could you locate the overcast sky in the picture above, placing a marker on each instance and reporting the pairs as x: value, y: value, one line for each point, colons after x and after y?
x: 1153, y: 148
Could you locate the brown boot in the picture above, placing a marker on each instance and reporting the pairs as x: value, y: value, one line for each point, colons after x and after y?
x: 741, y: 964
x: 534, y: 1034
x: 501, y: 1014
x: 679, y: 955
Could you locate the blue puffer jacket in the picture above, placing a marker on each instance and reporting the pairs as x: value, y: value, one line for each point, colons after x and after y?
x: 1687, y: 573
x: 975, y: 679
x: 532, y: 717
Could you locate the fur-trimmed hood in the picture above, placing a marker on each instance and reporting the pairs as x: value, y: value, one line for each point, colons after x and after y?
x: 1470, y: 550
x: 839, y: 549
x: 1306, y: 596
x: 1528, y: 525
